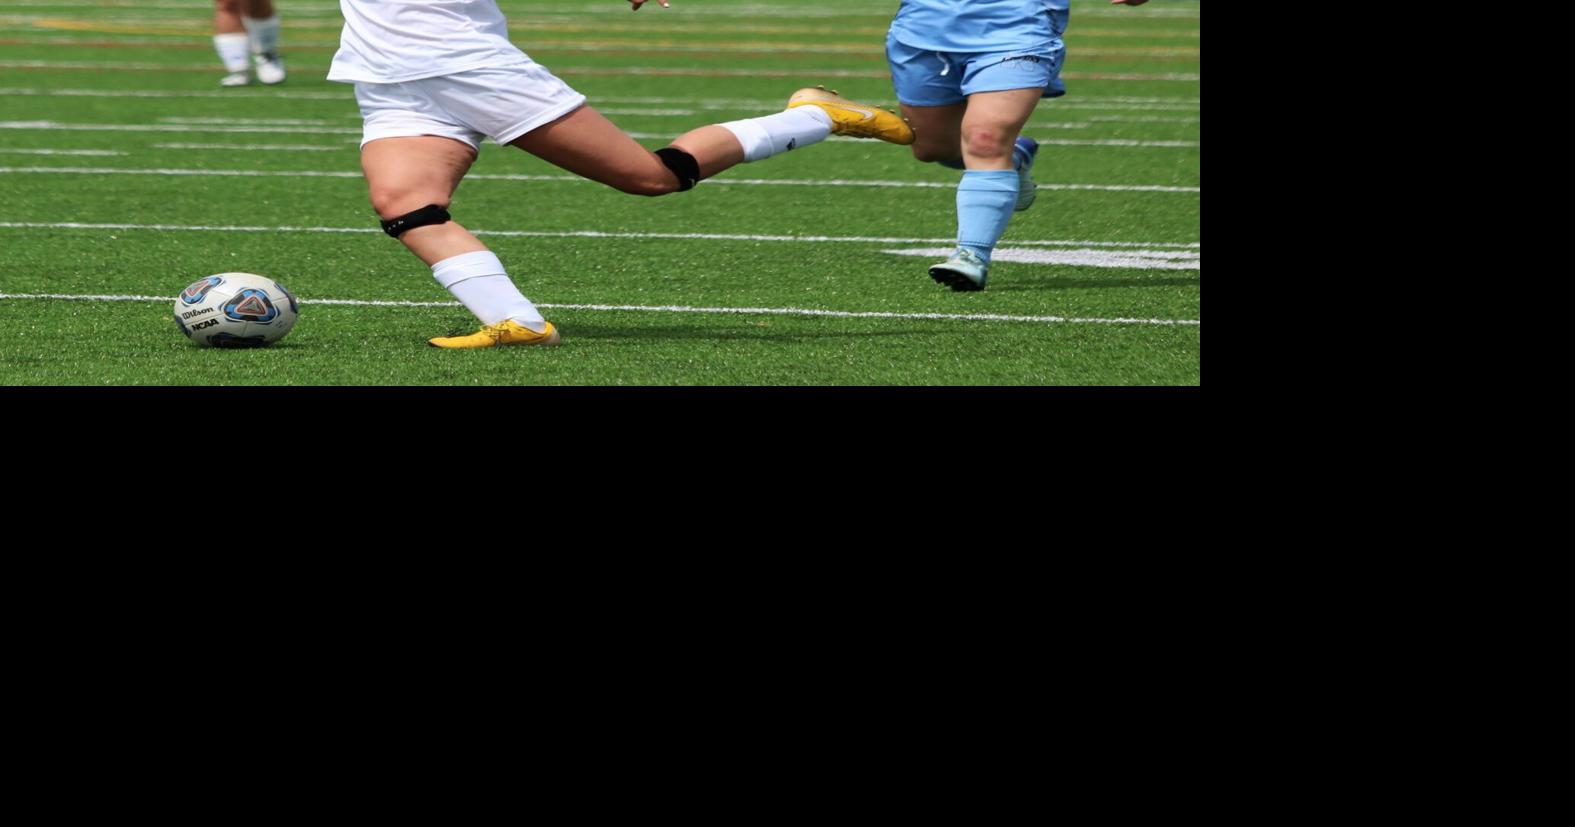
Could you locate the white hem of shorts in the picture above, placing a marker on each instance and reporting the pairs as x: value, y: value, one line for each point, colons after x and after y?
x: 503, y: 138
x: 417, y: 133
x: 514, y: 133
x: 488, y: 62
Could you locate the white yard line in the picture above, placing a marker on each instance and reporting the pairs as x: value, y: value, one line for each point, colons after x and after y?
x: 1080, y: 103
x: 247, y: 121
x: 1174, y: 14
x: 73, y: 152
x: 701, y: 103
x: 147, y: 4
x: 758, y: 182
x: 1111, y: 259
x: 1108, y: 142
x: 595, y: 71
x: 56, y: 126
x: 346, y: 148
x: 1139, y: 119
x: 652, y: 113
x: 347, y: 95
x: 327, y: 8
x: 800, y: 239
x: 263, y: 127
x: 628, y: 308
x: 290, y: 95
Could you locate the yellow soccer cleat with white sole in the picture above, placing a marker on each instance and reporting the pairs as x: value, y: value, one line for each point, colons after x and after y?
x: 855, y: 119
x: 508, y: 332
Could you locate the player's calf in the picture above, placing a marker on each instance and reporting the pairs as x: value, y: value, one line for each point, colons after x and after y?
x: 946, y: 157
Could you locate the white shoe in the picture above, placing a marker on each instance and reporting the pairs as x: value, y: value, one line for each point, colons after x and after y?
x: 270, y: 68
x: 235, y: 79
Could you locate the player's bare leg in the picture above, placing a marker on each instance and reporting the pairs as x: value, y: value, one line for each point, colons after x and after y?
x: 991, y: 125
x: 939, y: 131
x: 590, y: 146
x: 411, y: 182
x: 406, y: 174
x: 227, y: 17
x: 587, y: 144
x: 232, y: 43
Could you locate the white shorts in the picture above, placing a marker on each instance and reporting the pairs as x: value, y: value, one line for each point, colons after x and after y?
x: 501, y: 104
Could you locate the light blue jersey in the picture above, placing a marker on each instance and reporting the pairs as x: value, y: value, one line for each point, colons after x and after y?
x: 981, y: 25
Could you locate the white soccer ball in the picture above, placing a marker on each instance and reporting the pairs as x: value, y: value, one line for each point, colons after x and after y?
x: 236, y: 310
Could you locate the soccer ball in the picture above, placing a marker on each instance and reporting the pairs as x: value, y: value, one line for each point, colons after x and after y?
x: 236, y: 310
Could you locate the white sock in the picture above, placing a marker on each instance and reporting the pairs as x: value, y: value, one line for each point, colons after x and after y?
x: 264, y: 33
x: 232, y: 51
x: 784, y: 131
x: 480, y: 283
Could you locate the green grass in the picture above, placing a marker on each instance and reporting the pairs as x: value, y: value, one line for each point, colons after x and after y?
x: 57, y: 342
x: 607, y: 348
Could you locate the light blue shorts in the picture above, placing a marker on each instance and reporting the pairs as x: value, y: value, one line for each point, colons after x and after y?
x: 925, y: 78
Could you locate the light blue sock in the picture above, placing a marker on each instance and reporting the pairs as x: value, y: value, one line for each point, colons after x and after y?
x: 985, y: 200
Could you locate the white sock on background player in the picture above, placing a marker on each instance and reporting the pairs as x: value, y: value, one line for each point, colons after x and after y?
x: 233, y: 51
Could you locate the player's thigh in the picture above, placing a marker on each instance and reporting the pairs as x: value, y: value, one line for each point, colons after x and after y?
x: 937, y: 130
x: 585, y: 143
x: 227, y: 17
x: 929, y: 87
x: 406, y: 174
x: 994, y: 120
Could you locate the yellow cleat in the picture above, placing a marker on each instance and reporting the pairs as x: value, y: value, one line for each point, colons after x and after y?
x: 508, y: 332
x: 856, y: 119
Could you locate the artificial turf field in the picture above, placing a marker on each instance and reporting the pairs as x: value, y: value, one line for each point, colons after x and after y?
x: 126, y: 173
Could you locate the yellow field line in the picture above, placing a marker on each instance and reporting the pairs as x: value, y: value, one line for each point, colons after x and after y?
x: 643, y: 44
x: 110, y: 28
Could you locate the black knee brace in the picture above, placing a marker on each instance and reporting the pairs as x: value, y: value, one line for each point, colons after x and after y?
x: 430, y: 214
x: 683, y: 165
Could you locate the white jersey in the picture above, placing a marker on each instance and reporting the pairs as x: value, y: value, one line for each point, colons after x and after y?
x: 393, y: 41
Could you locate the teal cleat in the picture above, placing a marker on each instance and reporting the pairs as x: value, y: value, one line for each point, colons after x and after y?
x: 964, y: 272
x: 1027, y: 191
